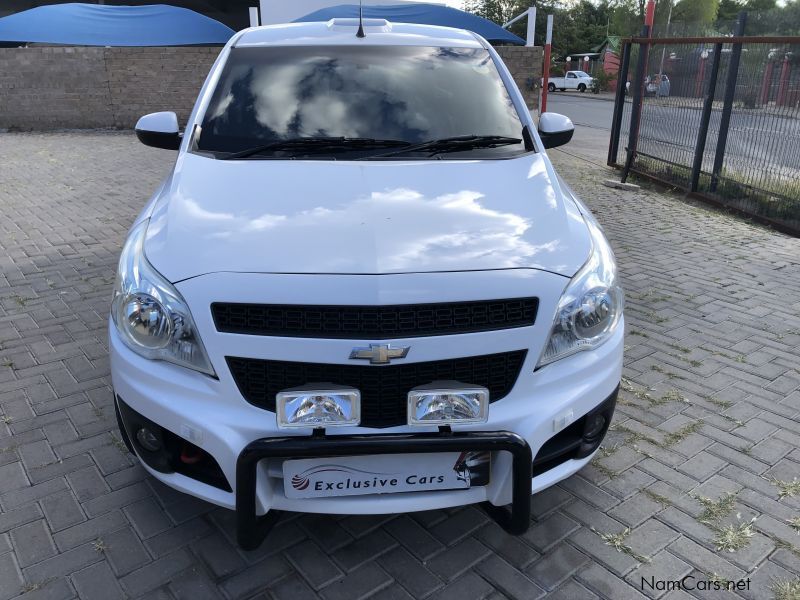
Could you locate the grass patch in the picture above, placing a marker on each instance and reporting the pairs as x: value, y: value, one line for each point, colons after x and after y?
x: 674, y: 396
x: 717, y: 578
x: 652, y: 295
x: 734, y: 537
x: 35, y: 586
x: 119, y: 444
x: 606, y: 452
x: 787, y: 489
x: 663, y: 371
x: 628, y: 386
x: 600, y: 467
x: 728, y: 538
x: 714, y: 510
x: 795, y: 524
x: 683, y: 349
x: 737, y: 422
x: 681, y: 434
x: 718, y: 402
x: 786, y: 589
x: 634, y: 436
x: 662, y: 500
x: 654, y: 317
x: 617, y: 541
x: 784, y: 545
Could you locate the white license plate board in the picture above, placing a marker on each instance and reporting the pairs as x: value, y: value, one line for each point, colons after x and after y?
x: 384, y: 474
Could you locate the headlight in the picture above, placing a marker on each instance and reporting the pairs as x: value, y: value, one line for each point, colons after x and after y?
x: 590, y: 307
x: 150, y: 315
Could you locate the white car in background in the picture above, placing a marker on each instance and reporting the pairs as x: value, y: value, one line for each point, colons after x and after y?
x: 573, y: 80
x: 363, y: 288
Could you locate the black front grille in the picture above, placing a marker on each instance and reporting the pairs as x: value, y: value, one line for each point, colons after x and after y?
x: 384, y: 389
x: 373, y: 322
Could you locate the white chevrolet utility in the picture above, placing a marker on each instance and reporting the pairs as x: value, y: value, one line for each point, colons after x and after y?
x: 573, y: 80
x: 363, y: 288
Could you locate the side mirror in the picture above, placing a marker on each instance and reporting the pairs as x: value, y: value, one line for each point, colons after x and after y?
x: 159, y: 130
x: 555, y: 129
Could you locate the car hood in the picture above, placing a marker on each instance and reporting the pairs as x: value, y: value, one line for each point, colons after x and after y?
x: 363, y: 217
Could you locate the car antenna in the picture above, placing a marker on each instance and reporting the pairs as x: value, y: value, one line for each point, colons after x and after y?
x: 360, y: 33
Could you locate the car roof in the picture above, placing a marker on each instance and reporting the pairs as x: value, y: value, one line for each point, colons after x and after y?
x: 379, y: 32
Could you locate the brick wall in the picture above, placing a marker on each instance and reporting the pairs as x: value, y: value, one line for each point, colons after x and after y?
x: 525, y: 65
x: 83, y: 87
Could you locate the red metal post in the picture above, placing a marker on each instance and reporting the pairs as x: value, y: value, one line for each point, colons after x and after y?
x: 546, y: 70
x: 766, y: 83
x: 650, y: 14
x: 701, y: 75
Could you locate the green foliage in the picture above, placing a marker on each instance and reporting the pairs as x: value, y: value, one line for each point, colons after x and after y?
x: 577, y: 26
x: 772, y: 19
x: 582, y: 25
x: 728, y: 10
x: 603, y: 80
x: 695, y: 11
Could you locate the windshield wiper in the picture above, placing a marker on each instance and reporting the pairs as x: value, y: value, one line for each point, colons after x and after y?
x: 315, y: 143
x: 452, y: 144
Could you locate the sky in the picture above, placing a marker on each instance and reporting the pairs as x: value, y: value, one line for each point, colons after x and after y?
x: 459, y: 4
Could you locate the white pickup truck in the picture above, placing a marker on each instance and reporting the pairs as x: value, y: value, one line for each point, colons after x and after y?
x: 574, y: 80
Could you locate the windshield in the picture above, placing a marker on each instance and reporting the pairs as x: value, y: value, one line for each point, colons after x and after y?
x: 399, y: 94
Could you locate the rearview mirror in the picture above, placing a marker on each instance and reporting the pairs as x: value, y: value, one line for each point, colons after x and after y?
x: 159, y: 130
x: 555, y: 129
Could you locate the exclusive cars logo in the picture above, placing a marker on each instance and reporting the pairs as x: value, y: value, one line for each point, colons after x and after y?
x: 302, y: 480
x: 472, y: 468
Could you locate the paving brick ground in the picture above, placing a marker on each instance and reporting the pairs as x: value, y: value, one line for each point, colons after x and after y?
x: 706, y: 431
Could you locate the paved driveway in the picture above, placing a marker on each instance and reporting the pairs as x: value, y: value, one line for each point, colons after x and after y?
x: 705, y: 439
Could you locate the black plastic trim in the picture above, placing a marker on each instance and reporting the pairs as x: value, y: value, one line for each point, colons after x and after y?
x: 252, y: 529
x: 374, y: 322
x: 571, y: 443
x: 159, y: 139
x: 123, y: 432
x: 559, y: 138
x: 384, y: 388
x: 167, y: 459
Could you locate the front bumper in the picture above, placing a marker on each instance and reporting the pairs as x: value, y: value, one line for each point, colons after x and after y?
x: 213, y: 415
x: 251, y: 528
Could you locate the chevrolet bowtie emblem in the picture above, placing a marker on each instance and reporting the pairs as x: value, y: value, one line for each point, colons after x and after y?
x: 379, y: 354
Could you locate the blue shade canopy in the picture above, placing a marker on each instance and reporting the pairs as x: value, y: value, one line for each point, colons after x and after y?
x: 426, y: 14
x: 95, y: 25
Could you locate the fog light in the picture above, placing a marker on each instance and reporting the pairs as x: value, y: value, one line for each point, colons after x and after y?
x: 148, y: 440
x: 594, y: 426
x: 447, y: 403
x: 320, y: 407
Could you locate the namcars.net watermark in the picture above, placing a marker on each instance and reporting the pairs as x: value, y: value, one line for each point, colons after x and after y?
x: 691, y: 582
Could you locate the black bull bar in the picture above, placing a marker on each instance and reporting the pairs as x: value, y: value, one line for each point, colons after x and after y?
x: 251, y: 529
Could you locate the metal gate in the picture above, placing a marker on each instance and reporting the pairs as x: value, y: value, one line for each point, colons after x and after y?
x: 718, y: 117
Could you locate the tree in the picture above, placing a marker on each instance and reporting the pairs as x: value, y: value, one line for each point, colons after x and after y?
x: 696, y: 11
x: 577, y: 26
x: 728, y: 11
x: 627, y: 17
